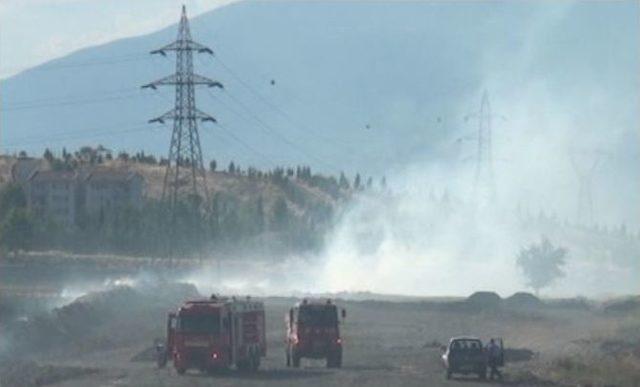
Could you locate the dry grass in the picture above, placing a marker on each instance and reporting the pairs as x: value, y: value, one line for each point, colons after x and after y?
x: 596, y: 371
x: 611, y: 357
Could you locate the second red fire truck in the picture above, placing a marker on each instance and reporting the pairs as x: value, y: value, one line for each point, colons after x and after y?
x: 313, y: 332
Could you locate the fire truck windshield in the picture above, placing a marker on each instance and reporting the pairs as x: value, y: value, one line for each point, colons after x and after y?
x: 318, y: 316
x: 199, y: 323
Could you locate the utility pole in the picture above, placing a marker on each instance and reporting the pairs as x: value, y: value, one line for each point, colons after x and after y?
x: 484, y: 186
x: 585, y: 171
x: 185, y: 176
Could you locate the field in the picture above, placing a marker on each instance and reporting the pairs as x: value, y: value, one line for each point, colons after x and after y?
x: 105, y: 339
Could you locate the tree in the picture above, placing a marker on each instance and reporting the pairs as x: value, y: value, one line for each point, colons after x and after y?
x: 232, y: 168
x: 356, y: 182
x: 213, y: 165
x: 542, y: 263
x: 11, y: 197
x: 123, y: 156
x: 48, y: 156
x: 260, y: 214
x: 280, y: 214
x: 343, y: 182
x: 17, y: 230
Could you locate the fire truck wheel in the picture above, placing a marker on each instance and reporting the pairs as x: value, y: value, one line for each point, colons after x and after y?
x: 255, y: 362
x: 334, y: 360
x: 295, y: 360
x: 161, y: 360
x: 288, y: 357
x: 181, y: 371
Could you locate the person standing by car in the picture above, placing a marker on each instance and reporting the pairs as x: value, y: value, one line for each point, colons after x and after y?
x: 493, y: 354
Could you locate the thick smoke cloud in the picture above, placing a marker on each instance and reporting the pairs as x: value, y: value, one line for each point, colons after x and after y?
x: 559, y: 107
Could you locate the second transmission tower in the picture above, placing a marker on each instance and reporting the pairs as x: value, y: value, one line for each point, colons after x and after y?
x: 484, y: 185
x: 185, y: 176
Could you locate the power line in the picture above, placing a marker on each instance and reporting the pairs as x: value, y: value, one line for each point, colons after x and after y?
x: 270, y: 130
x: 71, y: 97
x: 276, y: 108
x: 66, y: 133
x: 136, y: 128
x: 94, y: 62
x: 249, y: 147
x: 71, y: 102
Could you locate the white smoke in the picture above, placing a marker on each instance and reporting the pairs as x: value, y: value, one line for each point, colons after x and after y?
x: 549, y: 105
x: 554, y: 98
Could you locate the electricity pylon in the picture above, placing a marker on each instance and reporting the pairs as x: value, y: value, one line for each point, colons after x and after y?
x: 484, y: 185
x: 585, y: 171
x: 185, y: 176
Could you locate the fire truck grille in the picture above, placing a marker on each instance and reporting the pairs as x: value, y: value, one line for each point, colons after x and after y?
x: 197, y: 355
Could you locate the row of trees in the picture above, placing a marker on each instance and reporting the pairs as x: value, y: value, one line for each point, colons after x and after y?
x: 279, y: 175
x: 552, y: 220
x: 87, y: 155
x: 234, y: 217
x: 155, y: 230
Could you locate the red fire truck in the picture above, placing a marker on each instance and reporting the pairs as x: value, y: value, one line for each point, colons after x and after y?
x: 217, y: 333
x: 313, y: 332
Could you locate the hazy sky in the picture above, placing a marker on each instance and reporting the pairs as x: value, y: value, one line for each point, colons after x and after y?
x: 64, y: 26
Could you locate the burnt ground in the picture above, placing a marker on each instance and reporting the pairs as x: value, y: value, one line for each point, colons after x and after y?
x: 104, y: 340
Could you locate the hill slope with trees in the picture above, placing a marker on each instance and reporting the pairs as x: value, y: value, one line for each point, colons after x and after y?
x: 275, y: 211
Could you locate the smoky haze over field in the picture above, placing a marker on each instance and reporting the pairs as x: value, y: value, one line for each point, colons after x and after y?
x: 433, y: 236
x: 430, y: 235
x: 561, y: 104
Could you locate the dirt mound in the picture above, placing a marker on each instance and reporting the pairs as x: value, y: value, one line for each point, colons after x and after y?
x: 102, y: 320
x: 577, y: 303
x: 523, y: 300
x: 14, y: 373
x: 627, y: 305
x: 484, y: 300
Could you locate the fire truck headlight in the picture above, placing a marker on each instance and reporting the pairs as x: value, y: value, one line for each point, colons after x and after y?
x: 214, y: 355
x: 339, y: 341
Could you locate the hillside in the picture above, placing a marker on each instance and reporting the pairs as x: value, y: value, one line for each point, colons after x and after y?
x: 323, y: 73
x: 239, y: 184
x: 284, y: 209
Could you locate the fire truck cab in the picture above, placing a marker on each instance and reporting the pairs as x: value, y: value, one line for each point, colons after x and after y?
x: 217, y: 333
x: 312, y: 331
